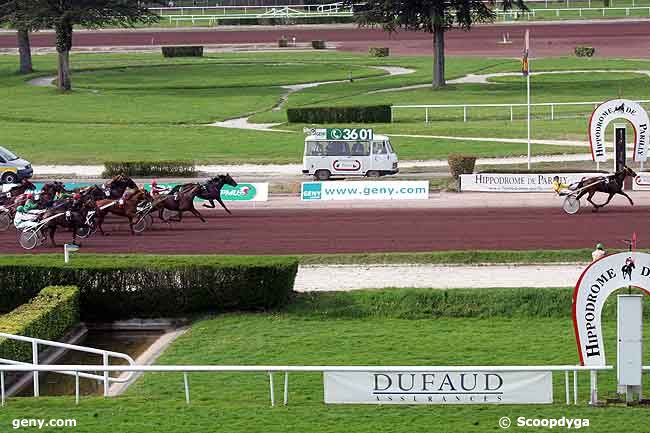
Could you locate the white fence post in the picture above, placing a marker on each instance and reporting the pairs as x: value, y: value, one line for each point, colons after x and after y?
x: 426, y: 115
x: 593, y: 380
x: 566, y: 386
x: 464, y: 113
x: 76, y: 387
x: 2, y: 387
x: 286, y: 388
x: 271, y: 389
x: 35, y: 362
x: 575, y: 386
x: 187, y: 387
x: 106, y: 384
x: 552, y: 112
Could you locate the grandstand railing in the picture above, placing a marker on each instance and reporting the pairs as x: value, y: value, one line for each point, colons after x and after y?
x: 77, y: 370
x: 465, y: 107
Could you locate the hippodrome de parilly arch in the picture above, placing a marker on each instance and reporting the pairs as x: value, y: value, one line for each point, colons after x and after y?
x: 599, y: 280
x: 614, y: 109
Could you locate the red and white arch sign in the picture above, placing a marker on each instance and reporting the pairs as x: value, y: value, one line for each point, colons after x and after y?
x: 618, y: 109
x: 597, y: 282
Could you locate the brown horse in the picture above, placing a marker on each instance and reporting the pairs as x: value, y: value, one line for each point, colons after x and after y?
x: 127, y: 209
x: 180, y: 201
x: 9, y: 197
x: 611, y: 185
x: 72, y: 215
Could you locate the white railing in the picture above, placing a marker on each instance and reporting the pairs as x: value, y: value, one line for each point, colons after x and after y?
x: 465, y: 107
x: 568, y: 3
x: 225, y: 12
x: 36, y: 342
x: 77, y: 370
x: 533, y: 13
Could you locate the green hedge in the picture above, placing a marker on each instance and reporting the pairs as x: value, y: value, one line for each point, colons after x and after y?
x: 150, y: 168
x: 461, y: 164
x: 120, y: 287
x: 582, y: 51
x: 195, y: 51
x: 379, y: 51
x: 47, y: 316
x: 358, y: 114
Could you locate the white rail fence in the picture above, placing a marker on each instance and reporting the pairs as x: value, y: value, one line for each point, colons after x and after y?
x: 37, y: 342
x: 551, y: 106
x: 79, y: 370
x: 589, y: 11
x: 575, y: 3
x: 216, y: 13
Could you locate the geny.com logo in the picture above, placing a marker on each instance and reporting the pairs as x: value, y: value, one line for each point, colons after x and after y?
x: 384, y: 191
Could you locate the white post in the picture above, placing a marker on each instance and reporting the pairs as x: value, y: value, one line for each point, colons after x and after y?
x: 66, y: 254
x: 464, y: 113
x: 35, y: 362
x: 76, y: 387
x: 566, y: 386
x: 187, y: 388
x: 594, y: 388
x: 105, y: 362
x: 286, y: 388
x: 552, y: 112
x: 426, y: 115
x: 511, y: 114
x: 575, y: 387
x: 528, y: 99
x: 2, y: 387
x: 271, y: 389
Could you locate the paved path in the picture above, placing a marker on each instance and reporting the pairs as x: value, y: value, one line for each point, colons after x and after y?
x: 351, y: 277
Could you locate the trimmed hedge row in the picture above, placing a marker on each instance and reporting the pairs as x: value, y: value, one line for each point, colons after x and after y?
x: 47, y: 316
x: 358, y: 114
x: 192, y: 51
x: 582, y: 51
x: 150, y: 168
x: 121, y: 287
x: 461, y: 164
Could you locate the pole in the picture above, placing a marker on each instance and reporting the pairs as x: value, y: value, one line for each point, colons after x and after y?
x: 527, y: 72
x: 528, y: 116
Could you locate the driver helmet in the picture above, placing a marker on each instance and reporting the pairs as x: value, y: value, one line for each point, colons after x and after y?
x: 77, y: 196
x: 154, y: 183
x: 556, y: 178
x: 29, y: 196
x: 600, y: 246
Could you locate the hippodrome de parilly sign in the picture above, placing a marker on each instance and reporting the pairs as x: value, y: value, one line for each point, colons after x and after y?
x: 597, y: 282
x: 618, y: 109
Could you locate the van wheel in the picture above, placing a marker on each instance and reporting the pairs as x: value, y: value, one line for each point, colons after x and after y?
x: 373, y: 173
x: 322, y: 175
x: 9, y: 178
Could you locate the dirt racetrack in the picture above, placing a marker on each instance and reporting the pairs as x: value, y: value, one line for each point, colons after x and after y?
x: 622, y: 39
x: 277, y: 231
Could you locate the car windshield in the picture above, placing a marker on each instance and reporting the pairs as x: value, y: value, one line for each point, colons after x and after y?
x: 7, y: 155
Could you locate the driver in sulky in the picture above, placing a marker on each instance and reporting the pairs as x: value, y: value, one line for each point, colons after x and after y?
x: 562, y: 188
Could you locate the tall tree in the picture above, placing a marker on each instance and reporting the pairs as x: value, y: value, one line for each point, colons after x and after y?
x: 13, y: 12
x: 63, y: 15
x: 432, y: 16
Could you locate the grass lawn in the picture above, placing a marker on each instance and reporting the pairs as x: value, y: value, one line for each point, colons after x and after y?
x: 363, y: 328
x: 141, y: 106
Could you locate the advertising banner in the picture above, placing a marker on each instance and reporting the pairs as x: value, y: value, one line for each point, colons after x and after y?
x: 614, y: 109
x: 599, y: 280
x: 497, y: 182
x: 365, y: 190
x: 242, y: 192
x: 421, y: 387
x: 641, y: 182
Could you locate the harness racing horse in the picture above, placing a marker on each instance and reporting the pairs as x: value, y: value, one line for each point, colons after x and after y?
x: 73, y: 215
x: 118, y: 185
x: 212, y: 190
x: 611, y: 185
x: 8, y: 197
x: 180, y: 201
x: 128, y: 209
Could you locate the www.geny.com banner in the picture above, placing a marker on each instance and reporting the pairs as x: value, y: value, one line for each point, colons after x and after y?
x: 365, y: 190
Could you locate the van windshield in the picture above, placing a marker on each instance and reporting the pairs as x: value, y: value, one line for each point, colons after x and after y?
x: 7, y: 155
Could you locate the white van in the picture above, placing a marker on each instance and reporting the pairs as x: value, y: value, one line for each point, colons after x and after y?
x: 345, y: 152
